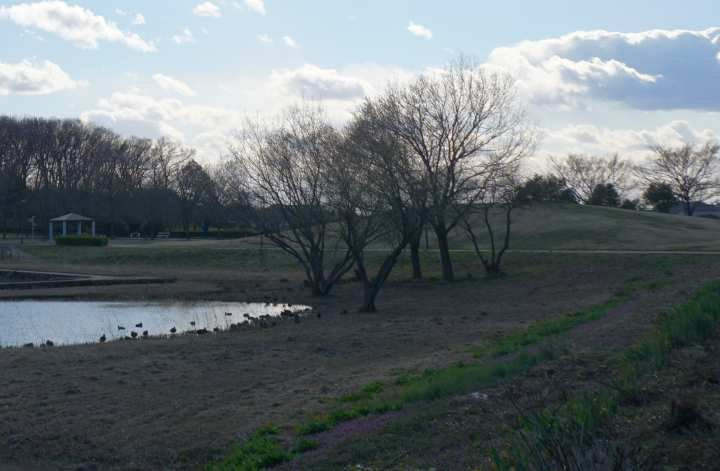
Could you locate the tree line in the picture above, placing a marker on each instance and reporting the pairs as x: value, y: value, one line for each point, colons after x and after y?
x: 49, y: 167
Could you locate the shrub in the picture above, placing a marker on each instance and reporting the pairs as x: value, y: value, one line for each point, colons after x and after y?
x: 81, y: 241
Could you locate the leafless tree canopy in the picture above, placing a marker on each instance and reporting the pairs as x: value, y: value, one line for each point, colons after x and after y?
x: 460, y: 124
x: 285, y: 169
x: 583, y: 173
x: 378, y: 194
x: 691, y: 171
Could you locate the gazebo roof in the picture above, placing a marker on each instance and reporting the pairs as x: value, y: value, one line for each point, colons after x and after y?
x: 71, y: 217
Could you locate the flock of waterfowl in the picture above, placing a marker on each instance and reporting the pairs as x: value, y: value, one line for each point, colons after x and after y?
x: 263, y: 321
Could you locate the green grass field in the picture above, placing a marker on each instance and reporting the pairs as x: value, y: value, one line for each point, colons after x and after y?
x: 566, y: 226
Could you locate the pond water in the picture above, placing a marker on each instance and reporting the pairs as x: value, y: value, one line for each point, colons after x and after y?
x: 73, y: 322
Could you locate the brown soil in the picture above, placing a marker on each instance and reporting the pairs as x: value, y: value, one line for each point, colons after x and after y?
x: 174, y: 403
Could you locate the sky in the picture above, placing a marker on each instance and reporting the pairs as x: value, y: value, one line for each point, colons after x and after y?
x: 596, y: 77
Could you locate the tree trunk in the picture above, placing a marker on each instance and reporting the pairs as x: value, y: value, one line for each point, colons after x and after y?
x: 445, y: 260
x: 415, y: 256
x: 370, y: 293
x: 689, y: 209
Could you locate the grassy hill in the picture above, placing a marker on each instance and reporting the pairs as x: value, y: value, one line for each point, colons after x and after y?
x: 566, y: 226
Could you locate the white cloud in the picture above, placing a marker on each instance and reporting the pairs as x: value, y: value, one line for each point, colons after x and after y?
x: 170, y: 84
x: 651, y: 70
x: 208, y: 9
x: 72, y: 23
x: 312, y: 82
x: 134, y: 113
x: 634, y: 144
x: 258, y: 6
x: 419, y: 30
x: 290, y: 42
x: 34, y: 78
x: 139, y: 19
x: 184, y: 37
x: 264, y: 38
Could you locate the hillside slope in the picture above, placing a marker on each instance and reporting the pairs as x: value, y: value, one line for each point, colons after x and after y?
x: 566, y: 226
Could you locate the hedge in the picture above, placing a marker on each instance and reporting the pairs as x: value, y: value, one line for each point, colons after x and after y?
x: 83, y: 240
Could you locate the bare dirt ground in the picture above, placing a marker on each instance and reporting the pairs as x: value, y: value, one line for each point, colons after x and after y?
x: 178, y: 402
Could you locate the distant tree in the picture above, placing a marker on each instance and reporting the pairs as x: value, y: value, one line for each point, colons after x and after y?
x: 691, y: 172
x: 660, y: 196
x: 196, y: 193
x: 584, y: 173
x: 494, y: 208
x: 545, y: 188
x: 630, y: 204
x: 605, y: 195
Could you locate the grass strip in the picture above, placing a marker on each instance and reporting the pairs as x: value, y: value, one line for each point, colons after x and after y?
x: 458, y: 379
x: 565, y: 437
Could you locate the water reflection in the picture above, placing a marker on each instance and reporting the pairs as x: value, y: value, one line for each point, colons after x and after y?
x: 72, y: 322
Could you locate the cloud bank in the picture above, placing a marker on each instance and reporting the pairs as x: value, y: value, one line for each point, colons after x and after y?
x: 651, y: 70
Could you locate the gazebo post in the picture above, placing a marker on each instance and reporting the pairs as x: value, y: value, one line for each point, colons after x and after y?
x: 79, y: 228
x: 93, y: 228
x: 50, y: 231
x: 64, y: 228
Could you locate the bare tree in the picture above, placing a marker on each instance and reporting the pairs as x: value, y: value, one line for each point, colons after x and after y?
x: 452, y: 121
x: 378, y: 197
x: 285, y: 171
x: 494, y: 207
x: 691, y: 172
x: 583, y: 173
x: 196, y: 192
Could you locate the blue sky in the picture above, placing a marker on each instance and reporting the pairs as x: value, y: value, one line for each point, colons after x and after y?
x: 193, y: 70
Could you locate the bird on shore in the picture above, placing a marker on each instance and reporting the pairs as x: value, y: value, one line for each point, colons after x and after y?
x: 49, y: 343
x: 173, y: 330
x: 134, y: 334
x: 103, y: 338
x: 121, y: 327
x: 192, y: 323
x: 146, y: 333
x: 228, y: 314
x: 139, y: 325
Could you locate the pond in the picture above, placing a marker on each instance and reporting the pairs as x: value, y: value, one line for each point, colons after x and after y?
x: 75, y: 322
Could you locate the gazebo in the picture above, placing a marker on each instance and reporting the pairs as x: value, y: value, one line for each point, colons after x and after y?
x: 71, y: 218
